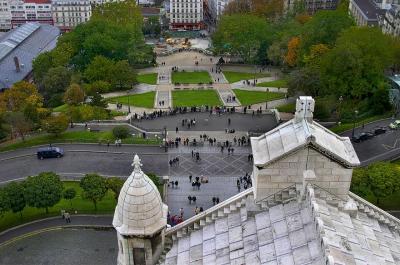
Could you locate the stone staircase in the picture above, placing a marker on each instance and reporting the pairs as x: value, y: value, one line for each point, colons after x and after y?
x: 283, y: 196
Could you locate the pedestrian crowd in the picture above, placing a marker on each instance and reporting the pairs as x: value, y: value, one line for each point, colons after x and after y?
x: 244, y: 181
x: 174, y: 162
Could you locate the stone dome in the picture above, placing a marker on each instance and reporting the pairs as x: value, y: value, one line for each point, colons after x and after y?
x: 140, y: 210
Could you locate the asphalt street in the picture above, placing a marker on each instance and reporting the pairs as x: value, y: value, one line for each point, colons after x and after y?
x: 381, y: 147
x: 80, y: 159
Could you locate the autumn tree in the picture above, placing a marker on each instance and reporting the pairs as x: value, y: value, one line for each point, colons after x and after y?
x: 56, y: 124
x: 19, y: 95
x: 292, y: 52
x: 20, y: 125
x: 74, y: 95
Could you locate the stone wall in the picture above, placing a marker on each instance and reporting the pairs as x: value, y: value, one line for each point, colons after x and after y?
x: 330, y: 175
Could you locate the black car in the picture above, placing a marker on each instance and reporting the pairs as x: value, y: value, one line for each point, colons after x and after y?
x: 379, y: 130
x: 362, y: 137
x: 50, y: 152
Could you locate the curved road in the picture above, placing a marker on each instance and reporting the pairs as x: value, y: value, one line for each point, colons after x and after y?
x: 83, y: 158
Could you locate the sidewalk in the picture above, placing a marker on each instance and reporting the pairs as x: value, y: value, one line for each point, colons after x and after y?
x: 52, y: 222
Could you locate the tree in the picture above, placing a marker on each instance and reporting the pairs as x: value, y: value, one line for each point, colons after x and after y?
x: 94, y: 188
x: 123, y: 75
x: 69, y: 194
x: 100, y: 68
x: 292, y: 51
x: 241, y: 35
x: 98, y: 100
x: 15, y: 193
x: 382, y: 179
x: 74, y: 95
x: 115, y: 184
x: 5, y: 205
x: 56, y: 124
x: 55, y: 81
x: 120, y: 132
x: 354, y: 68
x: 19, y: 124
x: 43, y: 190
x: 19, y: 95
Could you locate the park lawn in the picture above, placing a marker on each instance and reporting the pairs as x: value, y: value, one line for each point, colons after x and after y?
x: 275, y: 83
x: 61, y: 108
x: 74, y: 137
x: 252, y: 97
x: 150, y: 78
x: 289, y: 108
x: 144, y: 100
x: 105, y: 206
x: 195, y: 98
x: 191, y: 77
x: 233, y: 77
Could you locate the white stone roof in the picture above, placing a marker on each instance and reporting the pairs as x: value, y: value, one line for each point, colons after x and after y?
x: 312, y: 231
x: 294, y: 135
x: 140, y: 210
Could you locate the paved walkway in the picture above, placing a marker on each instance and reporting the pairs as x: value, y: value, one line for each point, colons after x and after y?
x: 163, y: 100
x: 76, y: 220
x: 226, y: 95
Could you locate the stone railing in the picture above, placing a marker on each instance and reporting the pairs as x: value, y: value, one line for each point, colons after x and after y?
x: 212, y: 213
x: 374, y: 211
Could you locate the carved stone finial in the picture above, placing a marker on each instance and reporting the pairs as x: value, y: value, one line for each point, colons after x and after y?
x: 136, y: 163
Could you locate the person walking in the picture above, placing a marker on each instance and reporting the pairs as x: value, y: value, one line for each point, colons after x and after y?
x: 67, y: 218
x: 238, y: 185
x: 176, y: 129
x: 196, y: 210
x: 190, y: 178
x: 229, y: 121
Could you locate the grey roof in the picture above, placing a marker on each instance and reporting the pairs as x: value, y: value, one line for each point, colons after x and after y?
x: 293, y: 135
x: 26, y: 43
x: 368, y: 8
x: 314, y: 231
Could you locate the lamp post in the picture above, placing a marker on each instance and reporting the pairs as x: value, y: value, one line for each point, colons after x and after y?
x: 339, y: 109
x: 354, y: 123
x: 129, y: 105
x: 165, y: 139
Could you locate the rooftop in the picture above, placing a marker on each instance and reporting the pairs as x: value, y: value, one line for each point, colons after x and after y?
x: 25, y: 43
x: 369, y: 9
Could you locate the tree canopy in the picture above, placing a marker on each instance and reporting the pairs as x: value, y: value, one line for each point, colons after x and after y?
x: 94, y: 188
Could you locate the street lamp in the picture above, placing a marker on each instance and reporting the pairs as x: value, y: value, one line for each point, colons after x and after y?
x: 340, y: 105
x: 354, y: 122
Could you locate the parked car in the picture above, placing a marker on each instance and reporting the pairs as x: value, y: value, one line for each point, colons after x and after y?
x: 362, y: 137
x: 379, y: 130
x: 50, y: 152
x: 395, y: 124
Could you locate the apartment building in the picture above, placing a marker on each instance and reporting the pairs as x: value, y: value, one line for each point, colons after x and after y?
x: 69, y: 13
x: 5, y: 15
x: 24, y: 11
x: 186, y: 15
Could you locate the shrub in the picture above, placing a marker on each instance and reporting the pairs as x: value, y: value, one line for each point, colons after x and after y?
x: 120, y: 132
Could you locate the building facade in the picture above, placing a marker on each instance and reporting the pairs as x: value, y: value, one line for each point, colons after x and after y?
x: 67, y: 14
x: 186, y: 15
x: 24, y: 11
x: 5, y: 15
x: 390, y: 21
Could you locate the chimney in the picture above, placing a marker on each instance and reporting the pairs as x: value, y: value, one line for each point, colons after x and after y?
x: 304, y: 109
x: 16, y: 62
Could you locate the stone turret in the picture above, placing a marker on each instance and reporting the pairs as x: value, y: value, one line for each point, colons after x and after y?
x: 304, y: 108
x: 140, y: 219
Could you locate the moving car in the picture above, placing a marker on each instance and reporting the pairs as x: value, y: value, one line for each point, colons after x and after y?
x: 50, y: 152
x: 395, y: 124
x: 379, y: 130
x: 362, y: 137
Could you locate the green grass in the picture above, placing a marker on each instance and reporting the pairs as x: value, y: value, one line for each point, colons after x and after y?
x: 191, y: 77
x: 290, y: 108
x: 192, y: 98
x: 105, y: 206
x: 348, y: 126
x: 144, y: 100
x: 252, y: 97
x: 275, y: 83
x: 233, y: 77
x: 73, y: 137
x: 61, y: 108
x: 150, y: 78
